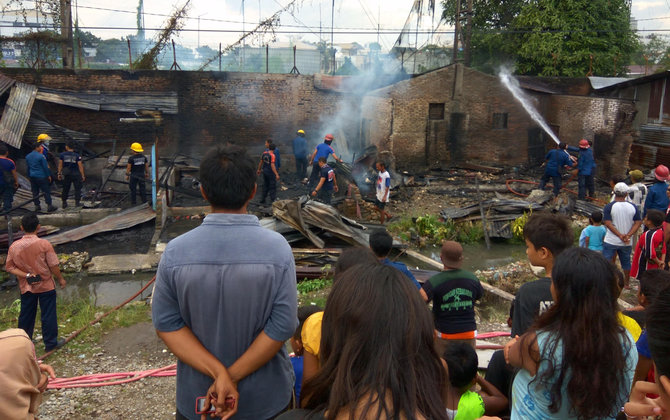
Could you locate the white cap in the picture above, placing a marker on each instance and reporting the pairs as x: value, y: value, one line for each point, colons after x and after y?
x: 621, y: 188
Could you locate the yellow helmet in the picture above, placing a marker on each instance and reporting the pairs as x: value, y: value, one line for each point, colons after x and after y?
x: 301, y: 132
x: 43, y: 137
x: 136, y: 147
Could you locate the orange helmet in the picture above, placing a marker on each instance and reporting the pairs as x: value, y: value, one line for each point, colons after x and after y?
x: 329, y: 137
x: 583, y: 143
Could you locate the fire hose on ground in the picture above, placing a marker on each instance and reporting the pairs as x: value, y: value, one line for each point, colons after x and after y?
x: 119, y: 378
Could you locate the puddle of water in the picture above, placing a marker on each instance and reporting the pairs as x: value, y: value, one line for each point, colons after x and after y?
x: 476, y: 256
x: 109, y: 290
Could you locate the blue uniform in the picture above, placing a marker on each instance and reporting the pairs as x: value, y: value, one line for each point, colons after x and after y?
x: 39, y: 173
x: 300, y: 154
x: 403, y: 269
x: 326, y: 191
x: 586, y: 165
x: 556, y: 159
x: 322, y: 150
x: 71, y: 176
x: 656, y: 197
x: 7, y: 182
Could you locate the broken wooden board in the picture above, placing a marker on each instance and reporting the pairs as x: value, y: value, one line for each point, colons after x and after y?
x: 123, y: 220
x: 123, y: 263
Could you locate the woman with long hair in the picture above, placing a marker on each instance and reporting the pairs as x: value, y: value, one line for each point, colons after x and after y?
x: 377, y: 354
x: 576, y: 361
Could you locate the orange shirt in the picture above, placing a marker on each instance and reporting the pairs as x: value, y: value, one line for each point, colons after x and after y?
x: 34, y: 255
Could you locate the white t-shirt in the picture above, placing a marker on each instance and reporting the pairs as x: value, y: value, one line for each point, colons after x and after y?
x: 637, y: 193
x: 623, y: 215
x: 383, y: 182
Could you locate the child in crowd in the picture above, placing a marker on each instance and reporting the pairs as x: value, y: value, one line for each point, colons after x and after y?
x: 310, y: 333
x: 651, y: 283
x: 564, y: 373
x: 659, y: 345
x: 650, y: 248
x: 454, y: 292
x: 378, y: 360
x: 304, y: 312
x: 546, y: 235
x: 594, y: 233
x: 463, y: 404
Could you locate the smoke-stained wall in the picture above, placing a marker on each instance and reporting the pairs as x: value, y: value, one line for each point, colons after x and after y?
x: 214, y: 107
x: 442, y: 118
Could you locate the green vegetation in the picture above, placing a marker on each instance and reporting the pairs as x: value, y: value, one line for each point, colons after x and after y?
x: 433, y: 231
x: 75, y: 314
x: 518, y: 225
x: 313, y: 285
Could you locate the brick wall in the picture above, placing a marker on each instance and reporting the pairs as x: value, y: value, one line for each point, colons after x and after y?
x: 242, y: 108
x: 467, y: 132
x: 605, y: 121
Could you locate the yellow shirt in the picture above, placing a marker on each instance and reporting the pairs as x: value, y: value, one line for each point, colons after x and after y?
x: 629, y: 324
x: 311, y: 333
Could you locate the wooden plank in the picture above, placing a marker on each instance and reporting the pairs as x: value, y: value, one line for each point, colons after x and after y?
x: 124, y: 220
x: 488, y: 287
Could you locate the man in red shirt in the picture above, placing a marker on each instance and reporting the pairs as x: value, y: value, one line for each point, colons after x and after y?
x: 35, y: 264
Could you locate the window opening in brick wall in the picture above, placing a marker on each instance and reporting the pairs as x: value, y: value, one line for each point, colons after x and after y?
x: 500, y: 120
x: 436, y: 112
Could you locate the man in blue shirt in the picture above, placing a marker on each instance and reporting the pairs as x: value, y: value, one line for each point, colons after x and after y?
x: 555, y: 161
x: 586, y: 165
x: 327, y: 183
x: 381, y: 243
x: 322, y: 150
x: 225, y: 300
x: 300, y: 154
x: 9, y: 181
x: 40, y: 177
x: 656, y: 195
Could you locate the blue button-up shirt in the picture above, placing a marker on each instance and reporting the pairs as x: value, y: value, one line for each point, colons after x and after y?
x: 37, y: 165
x: 228, y: 280
x: 300, y: 147
x: 403, y: 269
x: 656, y: 197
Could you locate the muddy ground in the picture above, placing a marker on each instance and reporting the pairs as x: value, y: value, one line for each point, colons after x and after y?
x: 137, y: 347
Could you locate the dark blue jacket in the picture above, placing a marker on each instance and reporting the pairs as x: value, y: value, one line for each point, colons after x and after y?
x: 556, y: 159
x: 585, y: 163
x: 300, y: 147
x: 656, y: 197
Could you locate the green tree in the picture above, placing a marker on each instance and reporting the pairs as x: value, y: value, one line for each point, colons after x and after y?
x: 549, y: 37
x: 574, y: 38
x: 40, y: 50
x: 654, y: 47
x: 112, y: 50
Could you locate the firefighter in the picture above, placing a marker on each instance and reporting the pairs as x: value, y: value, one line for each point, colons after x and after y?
x: 322, y: 150
x: 136, y: 173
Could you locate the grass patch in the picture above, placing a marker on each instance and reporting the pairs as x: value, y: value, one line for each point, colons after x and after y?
x: 430, y: 230
x: 75, y: 314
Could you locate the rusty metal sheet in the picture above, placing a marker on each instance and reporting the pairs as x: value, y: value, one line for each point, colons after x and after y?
x: 166, y: 102
x: 5, y: 83
x: 57, y: 133
x: 17, y: 113
x: 124, y: 220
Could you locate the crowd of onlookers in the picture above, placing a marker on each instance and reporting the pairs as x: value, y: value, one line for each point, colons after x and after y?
x: 225, y: 303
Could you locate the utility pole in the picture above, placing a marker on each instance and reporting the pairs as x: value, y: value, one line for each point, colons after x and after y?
x: 463, y: 18
x: 67, y: 51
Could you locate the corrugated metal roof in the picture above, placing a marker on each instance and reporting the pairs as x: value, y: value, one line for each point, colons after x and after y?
x: 57, y: 133
x: 5, y: 83
x: 17, y: 113
x: 167, y: 102
x: 603, y: 82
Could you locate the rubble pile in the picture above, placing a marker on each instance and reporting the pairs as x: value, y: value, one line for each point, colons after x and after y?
x: 508, y: 277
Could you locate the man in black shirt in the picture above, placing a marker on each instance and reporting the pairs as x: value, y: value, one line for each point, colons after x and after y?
x: 71, y: 171
x: 136, y: 172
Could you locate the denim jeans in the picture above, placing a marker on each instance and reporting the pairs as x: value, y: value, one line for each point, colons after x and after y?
x: 37, y: 184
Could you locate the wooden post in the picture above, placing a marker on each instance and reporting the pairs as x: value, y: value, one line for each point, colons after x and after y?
x: 267, y: 58
x: 130, y: 56
x: 79, y: 51
x: 66, y: 34
x: 219, y: 56
x: 481, y: 211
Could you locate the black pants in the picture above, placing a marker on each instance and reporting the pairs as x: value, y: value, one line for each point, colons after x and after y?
x: 7, y: 193
x: 301, y: 166
x: 47, y: 302
x: 585, y: 182
x: 37, y: 184
x: 136, y: 180
x: 72, y: 179
x: 314, y: 176
x: 324, y: 195
x: 269, y: 187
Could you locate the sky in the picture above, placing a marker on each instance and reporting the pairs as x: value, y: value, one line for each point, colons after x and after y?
x: 354, y: 20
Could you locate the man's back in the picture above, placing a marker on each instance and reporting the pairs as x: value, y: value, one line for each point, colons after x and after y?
x: 530, y: 301
x: 623, y: 215
x: 454, y: 293
x: 228, y: 280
